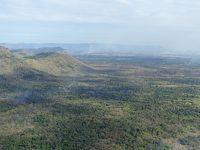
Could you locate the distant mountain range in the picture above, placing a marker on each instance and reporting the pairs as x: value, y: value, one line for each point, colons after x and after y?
x: 98, y: 49
x: 88, y: 49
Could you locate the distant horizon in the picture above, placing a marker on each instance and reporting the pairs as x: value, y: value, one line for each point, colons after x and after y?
x: 106, y: 47
x: 79, y: 43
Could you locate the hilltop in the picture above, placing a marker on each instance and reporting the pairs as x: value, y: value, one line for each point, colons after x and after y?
x: 60, y: 64
x: 3, y: 49
x: 8, y: 61
x: 56, y: 63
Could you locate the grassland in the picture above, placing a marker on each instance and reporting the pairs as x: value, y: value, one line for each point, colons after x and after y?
x: 123, y: 103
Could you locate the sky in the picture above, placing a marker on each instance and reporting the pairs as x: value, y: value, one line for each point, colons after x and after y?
x: 172, y: 24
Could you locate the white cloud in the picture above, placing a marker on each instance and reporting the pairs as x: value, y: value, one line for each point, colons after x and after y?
x: 61, y: 10
x: 127, y: 2
x: 170, y: 18
x: 124, y: 11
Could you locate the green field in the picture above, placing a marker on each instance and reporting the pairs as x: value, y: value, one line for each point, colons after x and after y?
x: 120, y: 103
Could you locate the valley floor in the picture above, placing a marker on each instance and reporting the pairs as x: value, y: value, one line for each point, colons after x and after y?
x: 125, y: 103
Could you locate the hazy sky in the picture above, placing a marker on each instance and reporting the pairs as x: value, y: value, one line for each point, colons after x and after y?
x: 170, y: 23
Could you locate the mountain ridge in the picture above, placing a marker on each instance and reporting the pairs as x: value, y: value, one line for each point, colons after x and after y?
x: 59, y: 64
x: 90, y: 48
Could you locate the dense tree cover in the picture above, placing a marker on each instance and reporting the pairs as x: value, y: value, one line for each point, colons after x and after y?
x: 122, y: 105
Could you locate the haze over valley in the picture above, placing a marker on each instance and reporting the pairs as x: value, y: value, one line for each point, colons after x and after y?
x: 100, y: 49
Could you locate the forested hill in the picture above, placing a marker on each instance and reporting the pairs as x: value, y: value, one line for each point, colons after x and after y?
x: 60, y: 64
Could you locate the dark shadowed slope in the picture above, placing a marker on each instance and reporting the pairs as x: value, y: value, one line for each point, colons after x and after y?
x: 39, y: 75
